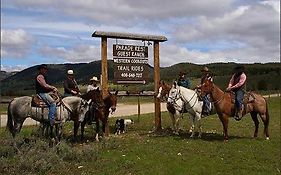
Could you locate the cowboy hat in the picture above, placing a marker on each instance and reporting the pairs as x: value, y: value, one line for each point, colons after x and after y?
x: 182, y: 73
x: 239, y: 68
x: 70, y: 72
x: 94, y: 79
x: 42, y: 66
x: 205, y: 69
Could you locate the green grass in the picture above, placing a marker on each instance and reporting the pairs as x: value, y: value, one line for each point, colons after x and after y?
x: 140, y: 151
x: 134, y: 99
x: 3, y: 108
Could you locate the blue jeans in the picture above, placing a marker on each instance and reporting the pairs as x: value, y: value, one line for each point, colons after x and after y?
x: 239, y: 95
x: 52, y: 106
x: 206, y: 104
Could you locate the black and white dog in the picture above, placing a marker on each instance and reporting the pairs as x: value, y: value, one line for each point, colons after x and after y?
x: 121, y: 125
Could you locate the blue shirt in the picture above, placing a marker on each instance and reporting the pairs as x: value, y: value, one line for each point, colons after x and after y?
x: 184, y: 83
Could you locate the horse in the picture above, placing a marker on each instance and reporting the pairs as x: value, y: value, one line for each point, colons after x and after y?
x: 225, y: 107
x: 187, y: 100
x: 163, y: 92
x: 102, y: 114
x: 20, y: 108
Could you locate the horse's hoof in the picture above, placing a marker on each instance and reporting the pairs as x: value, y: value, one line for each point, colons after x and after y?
x: 199, y: 136
x: 192, y: 136
x: 267, y: 138
x: 225, y: 141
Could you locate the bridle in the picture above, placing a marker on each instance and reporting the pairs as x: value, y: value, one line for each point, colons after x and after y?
x: 211, y: 90
x: 179, y: 96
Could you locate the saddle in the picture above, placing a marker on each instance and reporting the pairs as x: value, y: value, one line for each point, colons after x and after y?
x: 38, y: 102
x: 248, y: 97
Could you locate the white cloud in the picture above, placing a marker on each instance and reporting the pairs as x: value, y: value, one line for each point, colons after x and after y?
x: 254, y: 28
x: 15, y: 43
x: 13, y: 68
x: 275, y: 4
x: 198, y: 31
x: 79, y: 53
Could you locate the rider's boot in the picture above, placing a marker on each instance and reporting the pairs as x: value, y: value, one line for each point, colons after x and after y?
x: 239, y: 114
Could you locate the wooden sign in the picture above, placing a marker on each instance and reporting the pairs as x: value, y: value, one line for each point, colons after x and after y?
x: 130, y: 64
x: 130, y: 51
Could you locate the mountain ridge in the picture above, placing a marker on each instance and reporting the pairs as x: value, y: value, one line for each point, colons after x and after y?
x: 261, y: 75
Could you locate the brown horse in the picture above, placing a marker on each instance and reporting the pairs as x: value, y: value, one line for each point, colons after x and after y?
x: 95, y: 98
x: 224, y: 105
x: 163, y: 93
x: 102, y: 114
x: 164, y: 90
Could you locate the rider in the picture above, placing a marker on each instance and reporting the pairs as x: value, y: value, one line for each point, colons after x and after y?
x: 94, y: 84
x: 182, y: 81
x: 43, y: 89
x: 206, y: 102
x: 70, y: 85
x: 237, y: 85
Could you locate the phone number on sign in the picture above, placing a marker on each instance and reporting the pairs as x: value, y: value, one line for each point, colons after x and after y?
x: 131, y: 75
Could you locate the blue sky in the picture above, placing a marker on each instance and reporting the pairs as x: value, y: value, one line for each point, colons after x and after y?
x: 55, y: 31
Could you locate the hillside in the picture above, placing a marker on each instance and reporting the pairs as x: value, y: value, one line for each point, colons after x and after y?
x: 260, y: 76
x: 4, y: 74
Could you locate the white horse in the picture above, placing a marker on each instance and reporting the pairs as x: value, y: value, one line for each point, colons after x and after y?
x: 184, y: 99
x: 20, y: 108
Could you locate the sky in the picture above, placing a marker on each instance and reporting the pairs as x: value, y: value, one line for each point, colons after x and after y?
x: 199, y: 31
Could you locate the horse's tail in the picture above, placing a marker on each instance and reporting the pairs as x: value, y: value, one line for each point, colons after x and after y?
x: 10, y: 121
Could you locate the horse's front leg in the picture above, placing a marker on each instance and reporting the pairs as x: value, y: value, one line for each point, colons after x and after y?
x: 176, y: 117
x: 172, y: 116
x: 224, y: 120
x: 199, y: 124
x: 76, y: 126
x: 82, y: 129
x: 97, y: 129
x: 192, y: 121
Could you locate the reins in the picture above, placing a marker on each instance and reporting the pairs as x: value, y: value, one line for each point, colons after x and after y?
x: 179, y: 96
x: 220, y: 99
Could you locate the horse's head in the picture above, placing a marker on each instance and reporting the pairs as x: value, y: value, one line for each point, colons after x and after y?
x: 95, y: 96
x: 174, y: 93
x: 163, y: 89
x: 206, y: 87
x: 111, y: 101
x: 76, y: 106
x: 82, y: 109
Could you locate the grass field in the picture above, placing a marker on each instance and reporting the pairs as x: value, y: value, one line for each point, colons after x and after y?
x: 140, y: 151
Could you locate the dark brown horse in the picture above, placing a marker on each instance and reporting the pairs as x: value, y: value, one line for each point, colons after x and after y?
x: 94, y: 97
x: 224, y: 105
x: 102, y: 113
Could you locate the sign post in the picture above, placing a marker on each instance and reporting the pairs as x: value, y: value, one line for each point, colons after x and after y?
x: 133, y: 68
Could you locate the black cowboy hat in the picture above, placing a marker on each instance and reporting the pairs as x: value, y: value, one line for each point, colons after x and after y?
x: 239, y: 68
x: 182, y: 73
x: 42, y: 66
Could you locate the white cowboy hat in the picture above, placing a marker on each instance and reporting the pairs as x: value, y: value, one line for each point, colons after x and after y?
x: 94, y: 79
x: 70, y: 72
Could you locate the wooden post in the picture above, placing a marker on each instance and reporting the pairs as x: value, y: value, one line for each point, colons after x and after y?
x: 104, y: 81
x: 139, y: 108
x: 156, y: 86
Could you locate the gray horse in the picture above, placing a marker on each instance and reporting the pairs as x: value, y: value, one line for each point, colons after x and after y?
x: 20, y: 108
